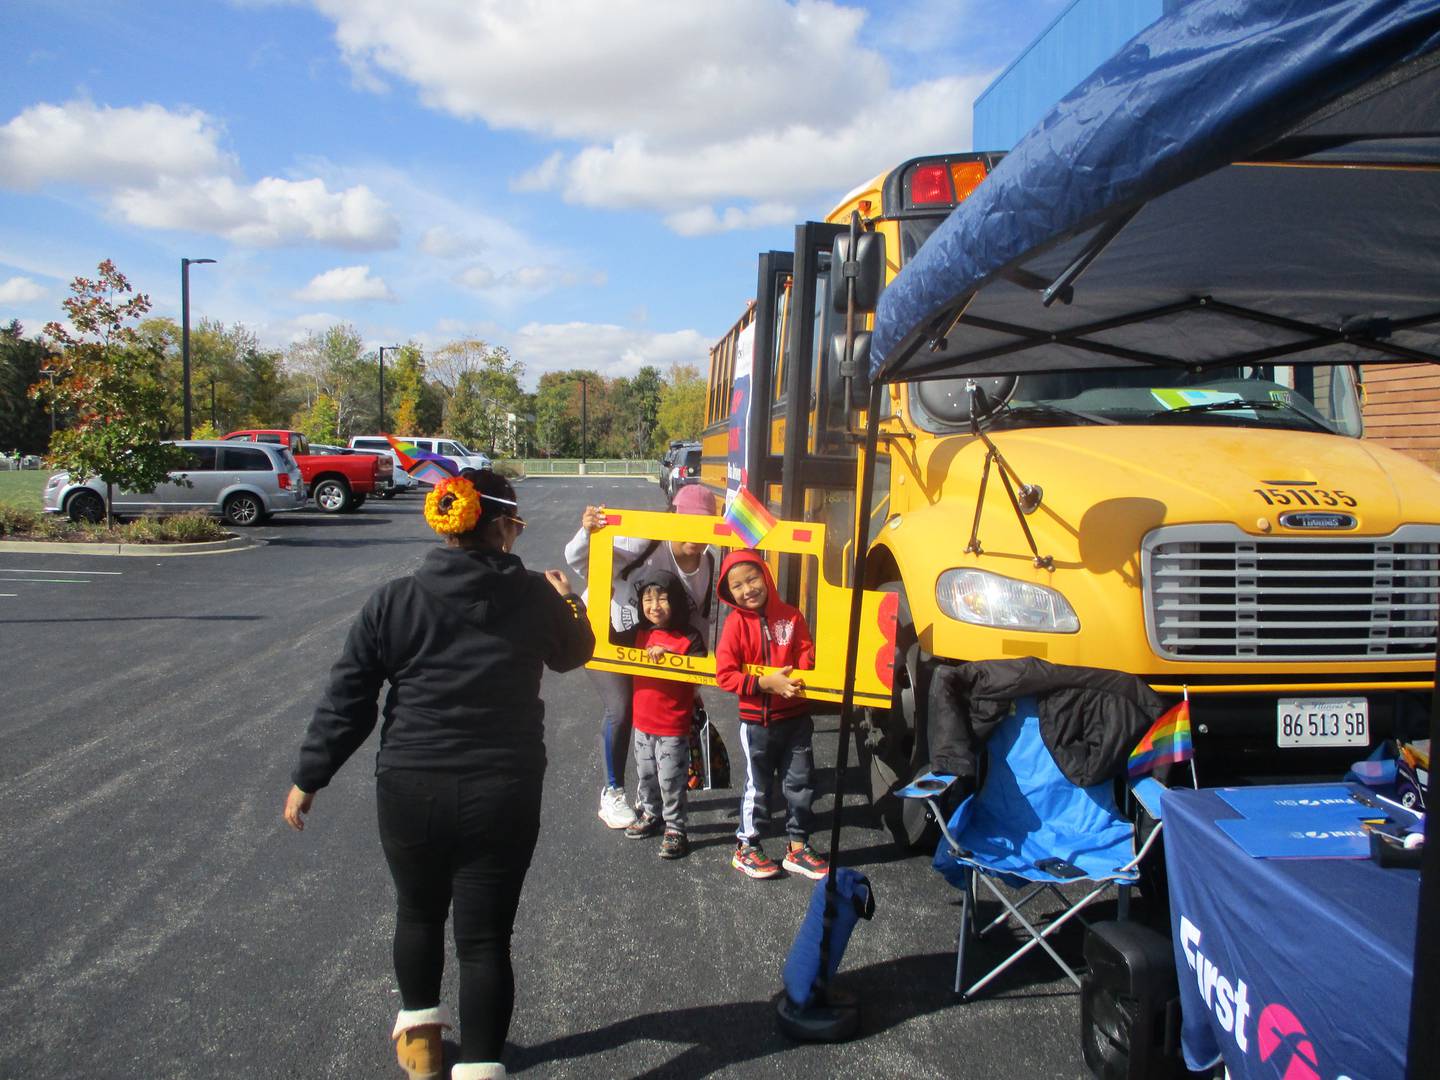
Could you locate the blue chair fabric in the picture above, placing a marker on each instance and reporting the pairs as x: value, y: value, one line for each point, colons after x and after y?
x: 1026, y: 816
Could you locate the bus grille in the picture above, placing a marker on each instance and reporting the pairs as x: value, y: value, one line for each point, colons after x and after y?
x: 1216, y: 593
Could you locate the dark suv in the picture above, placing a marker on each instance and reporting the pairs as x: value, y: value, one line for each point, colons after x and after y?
x: 680, y: 466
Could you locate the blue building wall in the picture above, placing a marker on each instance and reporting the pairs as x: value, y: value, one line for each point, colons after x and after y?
x: 1082, y: 36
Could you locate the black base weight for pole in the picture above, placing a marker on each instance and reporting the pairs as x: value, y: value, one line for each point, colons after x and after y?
x: 835, y: 1019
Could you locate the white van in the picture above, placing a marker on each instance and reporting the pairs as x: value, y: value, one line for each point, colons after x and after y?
x: 376, y: 444
x: 453, y: 449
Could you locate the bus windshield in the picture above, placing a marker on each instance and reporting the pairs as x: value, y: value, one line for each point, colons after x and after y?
x: 1310, y: 398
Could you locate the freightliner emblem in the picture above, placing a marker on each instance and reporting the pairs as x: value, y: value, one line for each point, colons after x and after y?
x: 1312, y: 520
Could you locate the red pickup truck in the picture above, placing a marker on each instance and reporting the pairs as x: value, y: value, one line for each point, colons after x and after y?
x: 339, y: 483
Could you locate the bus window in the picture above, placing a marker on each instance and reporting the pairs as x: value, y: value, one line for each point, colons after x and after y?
x: 781, y: 343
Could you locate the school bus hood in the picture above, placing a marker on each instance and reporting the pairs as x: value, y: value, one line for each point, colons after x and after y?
x: 1142, y: 477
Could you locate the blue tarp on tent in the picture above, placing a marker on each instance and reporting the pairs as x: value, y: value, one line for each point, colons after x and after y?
x: 1126, y: 204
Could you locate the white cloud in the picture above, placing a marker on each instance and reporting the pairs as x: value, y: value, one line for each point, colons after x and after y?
x: 345, y: 283
x: 591, y: 68
x: 98, y: 146
x: 678, y: 107
x: 703, y: 220
x: 165, y: 170
x: 21, y: 290
x: 444, y: 243
x: 532, y: 280
x: 270, y: 213
x: 606, y: 348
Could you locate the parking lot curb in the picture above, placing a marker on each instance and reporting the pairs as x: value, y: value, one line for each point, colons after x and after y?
x: 208, y: 547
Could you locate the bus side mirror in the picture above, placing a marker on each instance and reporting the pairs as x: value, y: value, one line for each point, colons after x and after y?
x: 858, y: 371
x: 867, y: 269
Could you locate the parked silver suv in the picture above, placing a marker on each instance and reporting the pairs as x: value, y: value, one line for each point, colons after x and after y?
x: 242, y: 482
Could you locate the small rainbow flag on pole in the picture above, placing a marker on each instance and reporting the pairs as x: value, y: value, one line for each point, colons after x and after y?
x: 748, y: 517
x: 1167, y: 741
x: 422, y: 464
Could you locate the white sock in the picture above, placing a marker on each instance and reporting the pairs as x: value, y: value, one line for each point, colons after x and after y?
x: 478, y: 1070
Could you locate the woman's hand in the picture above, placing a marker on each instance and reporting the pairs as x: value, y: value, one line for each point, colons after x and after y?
x: 559, y: 582
x: 593, y: 518
x: 297, y: 805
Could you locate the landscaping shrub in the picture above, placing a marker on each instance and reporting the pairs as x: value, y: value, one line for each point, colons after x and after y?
x: 511, y: 470
x: 20, y: 524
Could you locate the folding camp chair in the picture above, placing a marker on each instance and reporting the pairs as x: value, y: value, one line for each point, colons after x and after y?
x: 1032, y: 829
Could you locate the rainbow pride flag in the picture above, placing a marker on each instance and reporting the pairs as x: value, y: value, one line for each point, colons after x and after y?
x: 422, y: 464
x: 748, y: 517
x: 1167, y: 741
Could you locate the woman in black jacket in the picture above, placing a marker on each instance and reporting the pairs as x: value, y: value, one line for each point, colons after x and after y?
x: 462, y: 643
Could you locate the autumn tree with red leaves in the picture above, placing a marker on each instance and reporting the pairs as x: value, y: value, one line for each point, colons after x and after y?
x: 111, y: 383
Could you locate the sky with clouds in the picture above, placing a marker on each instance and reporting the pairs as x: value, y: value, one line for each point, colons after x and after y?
x: 586, y: 182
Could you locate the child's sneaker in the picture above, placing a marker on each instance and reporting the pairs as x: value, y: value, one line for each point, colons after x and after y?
x: 674, y: 845
x: 805, y: 860
x: 614, y: 810
x: 752, y: 861
x: 642, y: 827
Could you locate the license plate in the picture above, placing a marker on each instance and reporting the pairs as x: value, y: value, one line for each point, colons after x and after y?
x: 1322, y: 722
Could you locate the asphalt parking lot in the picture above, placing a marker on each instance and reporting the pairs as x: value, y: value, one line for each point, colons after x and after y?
x: 160, y: 920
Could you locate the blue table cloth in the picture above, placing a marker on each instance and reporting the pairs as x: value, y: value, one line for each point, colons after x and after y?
x: 1297, y: 968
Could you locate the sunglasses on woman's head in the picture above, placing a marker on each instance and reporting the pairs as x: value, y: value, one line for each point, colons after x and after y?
x: 517, y: 521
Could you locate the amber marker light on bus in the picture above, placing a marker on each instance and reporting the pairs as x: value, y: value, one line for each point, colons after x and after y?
x: 967, y: 176
x: 930, y: 184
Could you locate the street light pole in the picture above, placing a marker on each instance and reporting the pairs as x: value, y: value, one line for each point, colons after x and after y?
x: 584, y: 421
x: 185, y: 334
x: 213, y: 422
x: 52, y: 405
x: 392, y: 348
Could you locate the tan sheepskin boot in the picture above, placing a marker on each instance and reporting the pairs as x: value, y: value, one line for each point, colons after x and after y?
x: 417, y: 1042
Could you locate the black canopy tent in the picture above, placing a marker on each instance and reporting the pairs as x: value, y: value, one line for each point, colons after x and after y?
x: 1244, y: 182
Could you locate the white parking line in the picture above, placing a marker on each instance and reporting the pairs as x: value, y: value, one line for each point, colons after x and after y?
x: 16, y: 570
x: 53, y: 580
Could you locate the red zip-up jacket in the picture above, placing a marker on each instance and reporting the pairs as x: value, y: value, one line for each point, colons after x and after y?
x: 775, y: 636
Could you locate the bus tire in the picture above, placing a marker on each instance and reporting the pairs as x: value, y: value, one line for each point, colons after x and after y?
x: 893, y: 744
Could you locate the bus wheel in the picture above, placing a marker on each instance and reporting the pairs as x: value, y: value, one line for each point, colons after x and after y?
x: 893, y: 745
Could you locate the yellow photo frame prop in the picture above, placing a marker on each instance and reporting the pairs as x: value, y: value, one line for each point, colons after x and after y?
x: 873, y: 670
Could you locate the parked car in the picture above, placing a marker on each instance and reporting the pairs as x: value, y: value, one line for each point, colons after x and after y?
x: 684, y: 469
x: 242, y: 484
x: 468, y: 460
x: 400, y: 480
x: 339, y: 485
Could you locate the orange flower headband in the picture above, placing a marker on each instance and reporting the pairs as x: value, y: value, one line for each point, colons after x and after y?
x: 453, y: 506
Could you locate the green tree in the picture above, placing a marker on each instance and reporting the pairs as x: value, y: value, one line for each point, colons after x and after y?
x: 111, y: 381
x: 24, y: 421
x: 557, y: 416
x: 681, y: 413
x: 635, y: 404
x: 405, y: 386
x: 483, y: 382
x: 319, y: 421
x: 335, y: 365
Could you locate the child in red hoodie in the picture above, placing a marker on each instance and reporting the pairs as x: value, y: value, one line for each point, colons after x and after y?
x: 775, y: 724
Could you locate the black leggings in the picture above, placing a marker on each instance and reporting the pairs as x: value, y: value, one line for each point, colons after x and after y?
x: 470, y: 838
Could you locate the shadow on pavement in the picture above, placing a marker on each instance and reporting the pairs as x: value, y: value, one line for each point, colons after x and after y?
x: 146, y: 618
x: 343, y: 542
x: 722, y: 1036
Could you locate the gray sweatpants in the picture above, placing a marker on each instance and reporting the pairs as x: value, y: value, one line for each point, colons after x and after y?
x: 662, y: 770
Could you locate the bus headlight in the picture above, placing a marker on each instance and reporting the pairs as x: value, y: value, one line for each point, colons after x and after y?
x: 975, y: 596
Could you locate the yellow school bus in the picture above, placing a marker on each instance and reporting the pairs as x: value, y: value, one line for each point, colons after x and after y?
x: 1265, y: 561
